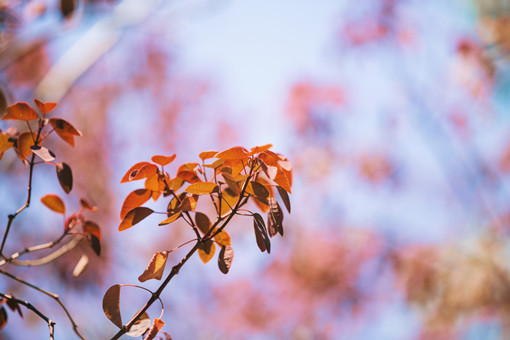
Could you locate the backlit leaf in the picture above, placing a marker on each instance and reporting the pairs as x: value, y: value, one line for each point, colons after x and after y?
x: 133, y: 200
x: 188, y: 203
x: 282, y: 180
x: 207, y: 154
x: 65, y: 177
x: 3, y: 317
x: 134, y: 216
x: 64, y: 130
x: 206, y: 250
x: 141, y: 326
x: 217, y: 163
x: 25, y: 141
x: 111, y: 306
x: 188, y: 176
x: 285, y: 197
x: 227, y: 203
x: 43, y: 153
x: 223, y: 238
x: 163, y: 160
x: 174, y: 203
x: 45, y: 108
x: 188, y: 167
x: 258, y: 149
x: 232, y: 184
x: 170, y: 219
x: 225, y: 259
x: 93, y: 235
x: 157, y: 324
x: 145, y: 171
x: 263, y: 241
x: 155, y: 268
x: 137, y: 166
x: 152, y: 182
x: 20, y: 111
x: 202, y: 188
x: 236, y: 152
x: 202, y: 221
x: 54, y: 202
x: 175, y: 183
x: 237, y: 165
x: 5, y: 144
x: 86, y: 205
x: 81, y: 265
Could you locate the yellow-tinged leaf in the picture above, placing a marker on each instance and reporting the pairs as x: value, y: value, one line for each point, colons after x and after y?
x: 202, y: 188
x: 155, y: 268
x: 157, y: 324
x: 45, y: 108
x: 54, y: 202
x: 25, y: 141
x: 5, y: 144
x: 175, y: 183
x: 170, y: 219
x: 258, y: 149
x: 111, y: 305
x: 237, y: 165
x: 133, y: 200
x: 227, y: 203
x: 223, y: 238
x: 20, y: 111
x: 217, y: 163
x: 207, y: 154
x: 206, y: 250
x: 236, y: 152
x: 163, y: 160
x: 187, y: 167
x: 152, y: 182
x: 134, y: 216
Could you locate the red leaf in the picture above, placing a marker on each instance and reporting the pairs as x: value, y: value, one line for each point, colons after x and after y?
x: 163, y: 160
x: 133, y: 200
x: 20, y: 111
x: 45, y: 107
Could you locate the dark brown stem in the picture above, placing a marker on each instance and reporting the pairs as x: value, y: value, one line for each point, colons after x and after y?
x: 51, y: 324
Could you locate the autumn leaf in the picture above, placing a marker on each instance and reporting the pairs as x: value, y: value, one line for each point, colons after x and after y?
x: 206, y: 249
x: 163, y: 160
x: 225, y: 259
x: 258, y: 149
x: 5, y: 144
x: 54, y: 203
x: 188, y: 203
x: 93, y: 235
x: 111, y: 308
x: 223, y: 238
x: 263, y: 241
x: 133, y: 200
x: 3, y: 318
x: 134, y: 216
x: 20, y: 111
x: 137, y: 166
x: 274, y: 218
x: 202, y: 188
x: 170, y: 219
x: 234, y: 153
x: 155, y: 268
x: 207, y: 155
x: 64, y: 130
x: 45, y: 108
x: 157, y: 324
x: 216, y: 164
x: 202, y: 221
x: 257, y: 189
x: 25, y: 141
x: 145, y: 171
x: 65, y: 177
x: 285, y: 197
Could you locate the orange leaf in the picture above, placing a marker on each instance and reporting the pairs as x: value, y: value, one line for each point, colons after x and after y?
x: 111, y: 305
x: 64, y: 130
x: 45, y: 107
x: 188, y: 176
x: 206, y: 250
x: 258, y: 149
x: 236, y: 152
x: 145, y: 172
x: 202, y: 188
x: 155, y: 328
x: 163, y: 160
x: 134, y: 216
x: 5, y: 144
x: 170, y: 219
x: 152, y: 182
x: 54, y: 202
x: 155, y: 268
x: 207, y: 154
x: 217, y: 163
x: 133, y: 200
x: 25, y: 141
x: 137, y: 166
x: 282, y: 180
x: 20, y: 111
x: 223, y: 238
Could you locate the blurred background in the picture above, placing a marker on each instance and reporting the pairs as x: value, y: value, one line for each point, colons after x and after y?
x: 394, y: 114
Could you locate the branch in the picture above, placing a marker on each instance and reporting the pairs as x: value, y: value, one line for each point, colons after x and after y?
x: 52, y: 295
x: 51, y: 324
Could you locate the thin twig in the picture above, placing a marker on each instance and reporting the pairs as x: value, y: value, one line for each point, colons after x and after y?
x: 51, y: 324
x: 52, y: 295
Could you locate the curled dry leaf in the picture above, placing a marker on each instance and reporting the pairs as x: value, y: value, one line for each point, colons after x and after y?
x: 202, y: 188
x: 157, y: 324
x: 155, y: 268
x: 43, y: 153
x: 81, y: 265
x: 141, y: 326
x: 20, y: 111
x: 163, y: 160
x: 45, y: 108
x: 225, y: 259
x: 111, y: 308
x: 65, y: 177
x: 134, y: 216
x: 133, y: 200
x: 54, y: 202
x: 206, y: 250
